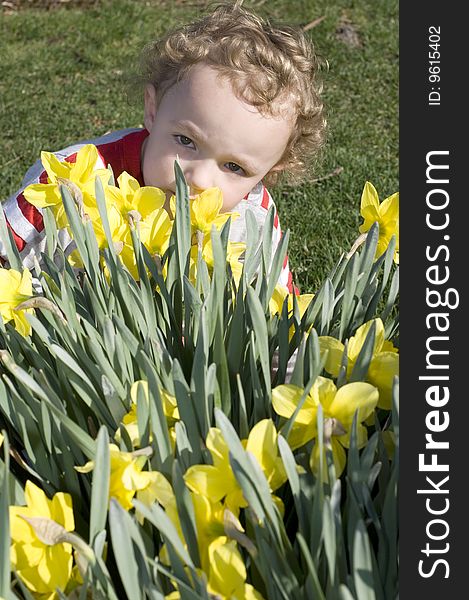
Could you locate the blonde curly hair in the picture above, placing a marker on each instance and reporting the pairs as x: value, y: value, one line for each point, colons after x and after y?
x: 271, y: 67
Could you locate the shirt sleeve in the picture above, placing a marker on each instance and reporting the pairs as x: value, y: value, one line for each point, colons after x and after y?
x: 24, y: 220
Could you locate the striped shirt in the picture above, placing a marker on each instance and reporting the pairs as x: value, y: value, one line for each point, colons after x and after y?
x: 122, y: 150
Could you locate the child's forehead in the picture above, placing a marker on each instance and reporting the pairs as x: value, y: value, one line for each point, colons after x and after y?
x: 207, y: 85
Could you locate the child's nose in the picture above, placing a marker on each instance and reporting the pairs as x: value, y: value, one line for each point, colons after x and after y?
x: 199, y: 177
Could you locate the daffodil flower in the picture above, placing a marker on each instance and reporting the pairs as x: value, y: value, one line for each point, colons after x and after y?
x: 155, y: 231
x: 130, y: 420
x: 384, y: 364
x: 82, y: 174
x: 227, y: 574
x: 209, y: 519
x: 129, y: 196
x: 217, y: 481
x: 278, y: 299
x: 127, y: 476
x: 339, y: 407
x: 234, y: 251
x: 386, y: 214
x: 41, y: 567
x: 15, y: 288
x: 205, y: 211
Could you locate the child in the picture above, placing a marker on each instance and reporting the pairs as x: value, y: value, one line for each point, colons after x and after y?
x: 233, y: 97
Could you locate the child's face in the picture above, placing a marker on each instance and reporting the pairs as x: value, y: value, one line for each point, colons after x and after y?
x: 221, y: 140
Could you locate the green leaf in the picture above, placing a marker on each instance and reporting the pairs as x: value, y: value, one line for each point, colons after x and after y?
x: 187, y: 411
x: 362, y: 565
x: 182, y: 222
x: 312, y: 585
x: 277, y: 264
x: 4, y: 519
x: 101, y: 202
x: 124, y: 550
x: 186, y: 513
x: 100, y: 485
x: 258, y: 323
x: 362, y: 364
x: 329, y: 537
x: 294, y: 480
x: 76, y: 226
x: 11, y: 249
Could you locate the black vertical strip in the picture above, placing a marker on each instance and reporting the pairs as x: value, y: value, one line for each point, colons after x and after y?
x: 434, y: 415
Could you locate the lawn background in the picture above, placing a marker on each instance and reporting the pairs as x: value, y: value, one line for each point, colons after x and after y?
x: 60, y: 81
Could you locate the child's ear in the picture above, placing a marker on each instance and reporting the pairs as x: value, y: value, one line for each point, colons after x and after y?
x: 280, y: 166
x: 150, y: 106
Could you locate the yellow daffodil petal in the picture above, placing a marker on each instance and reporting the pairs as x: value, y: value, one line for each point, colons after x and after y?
x: 41, y: 195
x: 389, y: 208
x: 324, y: 390
x: 227, y: 569
x: 22, y: 325
x: 362, y: 437
x: 285, y: 399
x: 277, y: 300
x: 215, y: 442
x: 356, y: 342
x: 304, y: 300
x: 248, y: 592
x: 383, y: 367
x: 86, y: 468
x: 54, y: 167
x: 369, y: 196
x: 338, y: 456
x: 262, y: 443
x: 302, y: 434
x: 335, y: 350
x: 148, y: 199
x: 55, y: 570
x: 205, y: 208
x: 24, y: 554
x: 128, y: 185
x: 235, y: 500
x: 62, y: 511
x: 21, y: 531
x: 25, y: 287
x: 41, y: 567
x: 351, y: 397
x: 85, y: 163
x: 10, y: 281
x: 36, y: 497
x: 388, y: 346
x: 234, y: 250
x: 15, y: 288
x: 209, y: 481
x: 155, y: 231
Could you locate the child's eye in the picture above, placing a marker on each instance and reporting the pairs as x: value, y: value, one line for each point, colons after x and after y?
x: 183, y: 140
x: 234, y: 168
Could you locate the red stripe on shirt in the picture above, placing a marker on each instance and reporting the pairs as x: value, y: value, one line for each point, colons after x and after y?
x: 265, y: 199
x: 31, y: 213
x: 125, y: 154
x: 20, y: 243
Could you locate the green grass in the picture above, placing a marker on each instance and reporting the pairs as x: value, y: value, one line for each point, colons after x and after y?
x: 60, y: 82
